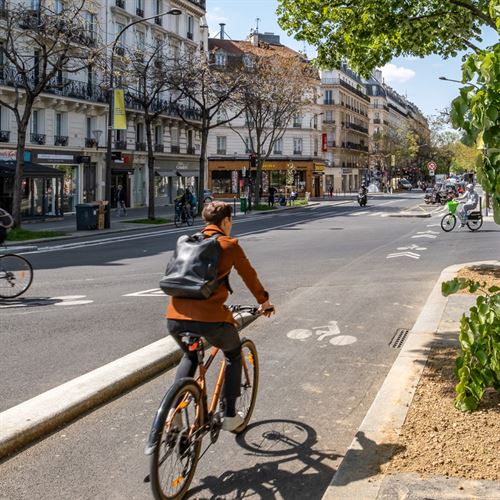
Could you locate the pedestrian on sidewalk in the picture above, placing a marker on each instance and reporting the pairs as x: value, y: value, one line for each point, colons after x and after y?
x: 120, y: 201
x: 330, y: 191
x: 272, y: 193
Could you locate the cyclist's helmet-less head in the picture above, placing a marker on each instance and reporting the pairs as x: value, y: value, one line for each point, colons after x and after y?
x: 216, y: 211
x: 470, y: 187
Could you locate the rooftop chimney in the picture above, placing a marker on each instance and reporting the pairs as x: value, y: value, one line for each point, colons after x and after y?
x: 222, y: 25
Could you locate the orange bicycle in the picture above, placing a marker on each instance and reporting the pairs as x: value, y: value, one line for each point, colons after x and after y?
x: 185, y: 416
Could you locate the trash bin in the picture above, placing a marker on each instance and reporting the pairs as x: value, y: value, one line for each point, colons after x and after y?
x: 86, y: 216
x: 243, y: 205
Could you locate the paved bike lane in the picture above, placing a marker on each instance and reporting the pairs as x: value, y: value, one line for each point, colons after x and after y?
x: 313, y: 395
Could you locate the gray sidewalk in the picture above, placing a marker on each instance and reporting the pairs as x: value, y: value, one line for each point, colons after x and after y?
x: 359, y: 475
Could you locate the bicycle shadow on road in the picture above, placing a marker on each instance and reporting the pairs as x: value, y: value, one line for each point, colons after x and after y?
x: 288, y: 466
x: 28, y: 302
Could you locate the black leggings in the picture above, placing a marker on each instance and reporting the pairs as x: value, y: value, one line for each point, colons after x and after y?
x: 221, y: 335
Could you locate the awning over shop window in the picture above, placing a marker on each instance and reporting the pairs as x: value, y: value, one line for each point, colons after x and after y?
x: 8, y: 169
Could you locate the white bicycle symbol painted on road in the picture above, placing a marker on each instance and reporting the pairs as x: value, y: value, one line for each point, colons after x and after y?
x: 322, y: 332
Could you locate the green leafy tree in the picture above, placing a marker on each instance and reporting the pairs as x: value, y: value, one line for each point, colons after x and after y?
x: 369, y: 33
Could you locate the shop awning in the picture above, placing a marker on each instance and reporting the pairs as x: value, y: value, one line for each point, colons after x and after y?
x: 8, y: 169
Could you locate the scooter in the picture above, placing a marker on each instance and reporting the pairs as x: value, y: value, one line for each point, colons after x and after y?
x: 362, y: 199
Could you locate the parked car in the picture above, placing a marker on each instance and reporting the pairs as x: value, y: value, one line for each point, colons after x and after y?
x: 405, y: 184
x: 207, y: 196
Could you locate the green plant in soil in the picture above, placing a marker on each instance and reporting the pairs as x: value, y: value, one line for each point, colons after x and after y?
x: 19, y: 234
x: 478, y: 365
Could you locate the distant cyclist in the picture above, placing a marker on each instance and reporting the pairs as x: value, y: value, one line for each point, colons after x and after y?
x: 210, y: 318
x: 472, y: 199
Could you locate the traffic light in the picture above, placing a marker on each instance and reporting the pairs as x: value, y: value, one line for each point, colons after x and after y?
x: 253, y: 160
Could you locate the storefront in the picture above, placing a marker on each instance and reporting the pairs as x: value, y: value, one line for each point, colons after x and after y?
x: 172, y: 176
x: 229, y: 178
x: 42, y: 190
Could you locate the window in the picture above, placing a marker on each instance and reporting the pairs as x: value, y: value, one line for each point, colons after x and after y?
x: 158, y: 135
x: 35, y: 4
x: 140, y: 5
x: 121, y: 41
x: 278, y: 147
x: 328, y: 97
x: 35, y: 121
x: 297, y: 145
x: 315, y: 121
x: 59, y: 124
x: 141, y: 40
x: 90, y: 25
x: 297, y: 121
x: 190, y: 27
x: 174, y: 136
x: 221, y: 145
x: 329, y: 117
x: 139, y: 132
x: 58, y: 6
x: 315, y: 146
x: 248, y: 145
x: 220, y: 59
x: 158, y: 7
x: 88, y: 127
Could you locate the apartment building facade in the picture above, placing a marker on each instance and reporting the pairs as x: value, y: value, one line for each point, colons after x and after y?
x: 345, y: 133
x: 296, y: 153
x: 68, y: 126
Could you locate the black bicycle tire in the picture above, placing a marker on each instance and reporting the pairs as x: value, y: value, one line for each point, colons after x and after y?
x: 189, y: 219
x: 177, y: 220
x: 255, y: 384
x: 475, y: 228
x: 454, y: 222
x: 30, y: 268
x: 153, y: 468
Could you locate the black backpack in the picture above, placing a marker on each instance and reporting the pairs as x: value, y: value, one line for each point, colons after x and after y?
x: 192, y: 270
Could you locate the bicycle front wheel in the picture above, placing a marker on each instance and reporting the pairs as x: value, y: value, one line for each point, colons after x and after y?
x: 249, y: 383
x: 177, y: 219
x: 16, y: 275
x: 448, y: 222
x: 189, y: 218
x: 174, y: 460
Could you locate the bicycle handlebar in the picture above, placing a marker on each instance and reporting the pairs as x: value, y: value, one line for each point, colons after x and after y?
x: 244, y: 315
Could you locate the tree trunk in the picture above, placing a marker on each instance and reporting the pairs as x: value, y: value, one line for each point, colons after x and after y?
x: 18, y: 176
x: 258, y: 183
x: 151, y: 169
x: 203, y: 160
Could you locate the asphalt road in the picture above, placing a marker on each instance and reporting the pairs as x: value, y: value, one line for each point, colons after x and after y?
x: 327, y: 269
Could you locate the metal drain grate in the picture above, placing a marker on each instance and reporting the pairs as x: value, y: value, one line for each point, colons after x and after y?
x: 399, y: 338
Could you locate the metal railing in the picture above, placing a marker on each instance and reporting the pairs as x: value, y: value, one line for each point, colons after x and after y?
x: 140, y: 146
x: 36, y: 138
x: 190, y: 150
x: 4, y: 135
x: 175, y: 149
x: 120, y: 144
x: 159, y: 148
x: 90, y: 143
x: 60, y: 140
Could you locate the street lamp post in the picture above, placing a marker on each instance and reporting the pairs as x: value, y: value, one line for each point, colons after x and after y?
x: 107, y: 186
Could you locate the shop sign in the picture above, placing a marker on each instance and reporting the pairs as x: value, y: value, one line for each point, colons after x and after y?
x: 54, y: 157
x: 324, y: 142
x: 8, y: 154
x: 346, y: 171
x: 119, y: 116
x: 319, y: 167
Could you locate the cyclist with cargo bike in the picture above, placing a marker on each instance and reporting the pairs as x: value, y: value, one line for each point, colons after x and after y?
x: 197, y: 281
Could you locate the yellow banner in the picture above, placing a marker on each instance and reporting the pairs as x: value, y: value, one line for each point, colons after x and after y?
x: 119, y: 117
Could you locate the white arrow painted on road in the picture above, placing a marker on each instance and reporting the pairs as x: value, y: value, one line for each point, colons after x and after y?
x: 412, y: 247
x: 433, y: 225
x: 411, y: 255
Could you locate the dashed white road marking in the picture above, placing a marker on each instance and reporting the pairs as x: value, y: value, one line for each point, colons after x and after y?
x: 412, y: 247
x: 359, y: 213
x: 375, y: 214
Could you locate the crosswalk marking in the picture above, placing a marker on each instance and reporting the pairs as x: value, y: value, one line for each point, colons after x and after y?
x: 360, y: 213
x: 375, y: 214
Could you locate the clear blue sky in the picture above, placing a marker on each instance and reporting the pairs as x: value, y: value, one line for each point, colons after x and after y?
x: 415, y: 78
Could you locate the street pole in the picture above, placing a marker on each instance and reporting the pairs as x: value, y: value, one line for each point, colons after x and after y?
x: 107, y: 182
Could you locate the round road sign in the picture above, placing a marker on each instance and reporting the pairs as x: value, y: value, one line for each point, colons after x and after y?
x: 431, y: 165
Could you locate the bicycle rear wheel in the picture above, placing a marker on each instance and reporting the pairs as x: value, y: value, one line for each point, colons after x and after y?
x: 448, y: 222
x: 16, y: 275
x: 173, y: 463
x: 249, y: 383
x: 475, y: 224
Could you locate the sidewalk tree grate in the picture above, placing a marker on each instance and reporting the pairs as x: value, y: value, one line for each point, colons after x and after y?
x: 399, y: 338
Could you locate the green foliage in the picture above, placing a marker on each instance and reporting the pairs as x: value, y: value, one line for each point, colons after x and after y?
x: 156, y: 220
x: 476, y: 112
x: 369, y: 33
x: 478, y: 366
x: 19, y: 234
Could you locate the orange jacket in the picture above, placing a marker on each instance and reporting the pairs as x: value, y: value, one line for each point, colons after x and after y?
x: 213, y: 310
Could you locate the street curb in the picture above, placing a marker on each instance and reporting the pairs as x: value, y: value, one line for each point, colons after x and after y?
x: 402, y: 214
x: 128, y: 229
x: 33, y: 419
x: 358, y: 475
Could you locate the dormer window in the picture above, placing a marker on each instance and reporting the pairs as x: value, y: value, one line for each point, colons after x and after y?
x: 220, y: 59
x: 248, y: 61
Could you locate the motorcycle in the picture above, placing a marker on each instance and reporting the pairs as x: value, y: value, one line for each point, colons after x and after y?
x: 362, y: 199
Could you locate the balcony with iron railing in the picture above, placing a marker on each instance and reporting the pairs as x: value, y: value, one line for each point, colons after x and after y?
x: 297, y: 124
x: 190, y: 150
x: 90, y: 142
x: 331, y: 144
x: 36, y: 138
x: 140, y: 146
x: 134, y: 101
x: 159, y: 148
x: 358, y: 128
x: 139, y: 12
x: 60, y: 140
x: 277, y: 152
x: 297, y: 152
x: 328, y: 102
x: 120, y: 144
x: 189, y: 35
x: 4, y: 135
x: 175, y: 149
x: 329, y: 121
x: 158, y: 21
x: 221, y: 151
x: 199, y: 3
x: 120, y: 3
x: 376, y: 121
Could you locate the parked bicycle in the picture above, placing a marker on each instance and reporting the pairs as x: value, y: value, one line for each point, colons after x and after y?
x: 185, y: 416
x: 474, y: 219
x: 183, y: 214
x: 16, y: 272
